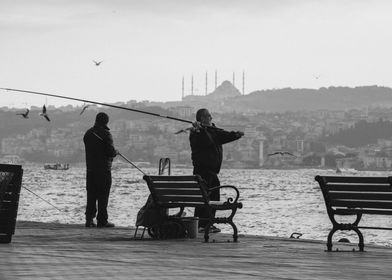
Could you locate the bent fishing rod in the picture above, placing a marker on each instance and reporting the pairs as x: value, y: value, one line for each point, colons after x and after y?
x: 98, y: 103
x: 105, y: 104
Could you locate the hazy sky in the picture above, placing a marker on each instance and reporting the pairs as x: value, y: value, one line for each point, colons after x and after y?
x: 148, y: 46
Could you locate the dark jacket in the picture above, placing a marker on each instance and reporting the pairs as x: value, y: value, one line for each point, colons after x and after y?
x: 206, y: 147
x: 99, y: 147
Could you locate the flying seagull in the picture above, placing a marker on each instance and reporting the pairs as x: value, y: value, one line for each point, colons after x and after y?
x: 84, y: 109
x: 183, y: 130
x: 44, y: 114
x: 281, y: 153
x: 25, y: 114
x: 97, y: 63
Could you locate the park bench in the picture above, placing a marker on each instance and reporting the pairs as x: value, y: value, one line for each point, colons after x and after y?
x: 191, y: 191
x: 345, y: 196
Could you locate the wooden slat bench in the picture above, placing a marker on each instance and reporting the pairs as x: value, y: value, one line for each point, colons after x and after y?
x: 355, y: 196
x: 191, y: 191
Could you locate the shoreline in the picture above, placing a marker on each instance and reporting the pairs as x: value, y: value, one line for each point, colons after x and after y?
x: 149, y: 165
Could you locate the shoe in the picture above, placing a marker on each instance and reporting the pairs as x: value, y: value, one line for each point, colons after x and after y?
x: 105, y: 225
x: 213, y: 229
x: 90, y: 223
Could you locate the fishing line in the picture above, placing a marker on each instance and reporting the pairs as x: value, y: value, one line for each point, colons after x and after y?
x: 43, y: 199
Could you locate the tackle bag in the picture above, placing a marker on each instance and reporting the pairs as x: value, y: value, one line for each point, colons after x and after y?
x: 158, y: 222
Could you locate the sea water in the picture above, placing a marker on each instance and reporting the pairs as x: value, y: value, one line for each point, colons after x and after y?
x: 275, y: 202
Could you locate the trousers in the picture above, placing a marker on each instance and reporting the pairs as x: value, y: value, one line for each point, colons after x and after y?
x: 212, y: 180
x: 98, y: 184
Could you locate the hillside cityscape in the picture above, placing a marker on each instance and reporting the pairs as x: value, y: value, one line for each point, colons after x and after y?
x: 334, y: 127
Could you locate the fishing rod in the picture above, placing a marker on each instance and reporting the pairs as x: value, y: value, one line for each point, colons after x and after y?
x: 121, y: 155
x: 134, y: 165
x: 111, y: 105
x: 98, y: 103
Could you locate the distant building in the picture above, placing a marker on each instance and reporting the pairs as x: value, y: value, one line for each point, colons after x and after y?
x: 183, y: 111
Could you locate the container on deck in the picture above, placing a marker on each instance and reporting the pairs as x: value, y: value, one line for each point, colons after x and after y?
x: 191, y: 225
x: 10, y: 184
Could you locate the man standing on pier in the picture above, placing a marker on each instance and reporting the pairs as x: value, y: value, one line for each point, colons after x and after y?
x: 100, y: 152
x: 206, y: 143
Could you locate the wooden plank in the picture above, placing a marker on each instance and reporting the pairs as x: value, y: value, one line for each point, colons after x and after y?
x: 361, y: 195
x: 194, y: 185
x: 172, y: 178
x: 355, y: 179
x: 358, y: 187
x: 361, y: 204
x: 181, y: 204
x: 182, y: 198
x: 160, y: 192
x: 345, y: 211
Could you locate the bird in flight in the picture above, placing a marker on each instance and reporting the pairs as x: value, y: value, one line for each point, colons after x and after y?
x: 25, y: 114
x: 97, y: 63
x: 84, y: 109
x: 281, y: 153
x: 44, y: 114
x: 183, y: 130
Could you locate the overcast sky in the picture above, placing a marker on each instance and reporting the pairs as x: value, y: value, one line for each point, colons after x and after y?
x: 148, y: 46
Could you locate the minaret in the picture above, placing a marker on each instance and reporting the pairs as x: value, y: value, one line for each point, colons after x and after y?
x: 192, y: 85
x: 206, y: 82
x: 234, y: 79
x: 243, y: 82
x: 216, y: 79
x: 183, y: 87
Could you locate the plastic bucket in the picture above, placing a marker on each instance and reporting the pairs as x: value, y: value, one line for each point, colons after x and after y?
x: 192, y: 226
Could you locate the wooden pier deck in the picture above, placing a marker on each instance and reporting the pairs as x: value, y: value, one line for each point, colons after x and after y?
x: 59, y: 251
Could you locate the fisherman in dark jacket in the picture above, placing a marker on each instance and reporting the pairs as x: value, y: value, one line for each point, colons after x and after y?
x: 100, y: 152
x: 206, y: 143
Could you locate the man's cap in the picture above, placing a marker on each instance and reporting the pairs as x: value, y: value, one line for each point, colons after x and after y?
x: 102, y: 118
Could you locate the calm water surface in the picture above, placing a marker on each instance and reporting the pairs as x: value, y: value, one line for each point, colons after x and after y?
x: 276, y: 202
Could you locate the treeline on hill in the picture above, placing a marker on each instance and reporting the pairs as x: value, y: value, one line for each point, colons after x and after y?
x: 361, y: 134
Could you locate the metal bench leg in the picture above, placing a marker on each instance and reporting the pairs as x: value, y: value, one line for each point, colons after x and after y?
x: 235, y: 231
x: 329, y: 240
x: 360, y: 236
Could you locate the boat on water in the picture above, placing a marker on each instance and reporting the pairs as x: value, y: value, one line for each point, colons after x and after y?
x: 346, y: 170
x: 56, y: 166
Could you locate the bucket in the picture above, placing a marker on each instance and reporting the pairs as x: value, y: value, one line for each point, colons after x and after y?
x: 192, y: 226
